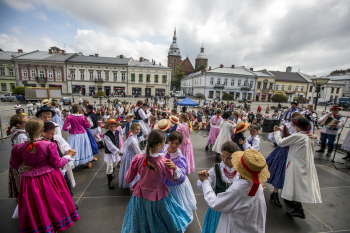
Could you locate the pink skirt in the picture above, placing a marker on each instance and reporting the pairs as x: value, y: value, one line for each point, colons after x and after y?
x: 213, y: 135
x: 187, y: 152
x: 45, y: 204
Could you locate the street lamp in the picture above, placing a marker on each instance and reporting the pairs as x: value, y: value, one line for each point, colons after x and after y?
x: 166, y: 90
x: 318, y: 82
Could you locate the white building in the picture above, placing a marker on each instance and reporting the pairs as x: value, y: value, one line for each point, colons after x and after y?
x: 213, y: 83
x: 342, y: 79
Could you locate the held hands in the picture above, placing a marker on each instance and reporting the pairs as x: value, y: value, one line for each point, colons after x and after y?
x: 86, y: 119
x: 263, y: 186
x: 203, y: 175
x: 71, y: 152
x: 312, y: 136
x: 230, y: 121
x: 26, y: 168
x: 276, y: 128
x: 241, y: 142
x: 170, y: 164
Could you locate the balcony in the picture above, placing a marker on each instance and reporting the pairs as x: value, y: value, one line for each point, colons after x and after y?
x: 246, y: 88
x: 290, y: 92
x: 219, y: 86
x: 41, y: 79
x: 98, y: 80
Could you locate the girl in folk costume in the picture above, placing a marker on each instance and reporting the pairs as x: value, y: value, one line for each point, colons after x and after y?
x: 214, y: 128
x: 45, y: 114
x: 346, y: 146
x: 310, y: 114
x: 94, y: 127
x: 152, y: 123
x: 126, y: 130
x: 226, y: 130
x: 151, y: 195
x: 253, y: 141
x: 301, y: 182
x: 112, y: 149
x: 276, y: 160
x: 129, y: 150
x: 78, y: 138
x: 242, y: 205
x: 235, y: 118
x: 44, y: 201
x: 221, y: 176
x: 238, y: 134
x: 186, y: 146
x: 18, y: 135
x: 164, y: 125
x: 181, y: 189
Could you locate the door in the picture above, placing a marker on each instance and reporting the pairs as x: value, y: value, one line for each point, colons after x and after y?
x: 148, y: 92
x: 83, y: 91
x: 257, y: 98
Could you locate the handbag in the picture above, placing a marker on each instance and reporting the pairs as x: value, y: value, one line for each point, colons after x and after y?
x: 92, y: 142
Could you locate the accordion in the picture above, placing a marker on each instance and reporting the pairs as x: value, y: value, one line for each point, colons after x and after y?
x: 328, y: 121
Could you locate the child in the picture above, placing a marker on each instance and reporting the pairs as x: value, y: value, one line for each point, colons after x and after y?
x: 151, y: 208
x: 164, y: 125
x: 197, y: 126
x: 276, y: 160
x: 54, y: 107
x: 174, y: 120
x: 245, y: 118
x: 126, y: 130
x: 112, y: 152
x: 129, y: 150
x: 44, y: 201
x: 94, y: 127
x: 221, y: 176
x: 186, y: 147
x: 240, y: 128
x: 181, y: 189
x: 301, y: 182
x: 106, y: 117
x: 235, y: 118
x: 45, y: 114
x: 214, y: 129
x: 152, y: 123
x: 78, y: 138
x: 226, y: 130
x: 253, y: 141
x: 267, y: 114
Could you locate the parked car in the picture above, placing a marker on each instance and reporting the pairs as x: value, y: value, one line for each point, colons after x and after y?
x: 10, y: 96
x: 66, y: 100
x: 180, y: 96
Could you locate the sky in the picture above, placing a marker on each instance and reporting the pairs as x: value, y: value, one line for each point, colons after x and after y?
x: 311, y: 36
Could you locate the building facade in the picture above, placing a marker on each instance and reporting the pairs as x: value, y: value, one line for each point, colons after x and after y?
x: 265, y: 86
x: 174, y: 55
x: 187, y: 66
x: 213, y: 83
x: 201, y: 59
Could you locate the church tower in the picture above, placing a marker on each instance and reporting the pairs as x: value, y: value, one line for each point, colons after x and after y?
x: 201, y: 59
x: 174, y: 56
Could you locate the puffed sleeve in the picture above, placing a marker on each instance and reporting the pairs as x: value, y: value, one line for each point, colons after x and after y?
x: 16, y: 159
x: 54, y: 158
x: 133, y: 169
x: 66, y: 123
x: 181, y: 165
x: 86, y: 123
x: 212, y: 180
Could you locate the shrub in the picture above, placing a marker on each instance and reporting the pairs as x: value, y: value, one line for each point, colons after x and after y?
x: 279, y: 98
x: 273, y: 107
x: 100, y: 93
x: 19, y: 90
x: 226, y: 96
x: 285, y: 107
x: 201, y: 96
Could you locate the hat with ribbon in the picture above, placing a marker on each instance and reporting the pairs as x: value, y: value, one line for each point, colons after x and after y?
x: 241, y: 126
x: 163, y: 124
x: 49, y: 126
x: 302, y: 123
x: 45, y: 102
x: 174, y: 119
x: 251, y: 165
x: 335, y: 108
x: 129, y: 116
x: 44, y: 108
x: 89, y: 106
x: 111, y: 121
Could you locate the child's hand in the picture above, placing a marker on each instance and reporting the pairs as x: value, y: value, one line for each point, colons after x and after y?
x: 26, y: 168
x: 276, y: 128
x: 170, y: 164
x: 144, y: 136
x: 312, y: 136
x: 230, y: 121
x: 120, y: 154
x: 203, y: 175
x: 86, y: 119
x: 71, y: 152
x: 263, y: 186
x: 241, y: 141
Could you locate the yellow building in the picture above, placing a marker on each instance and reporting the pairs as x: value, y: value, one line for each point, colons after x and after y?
x: 7, y: 70
x: 264, y: 86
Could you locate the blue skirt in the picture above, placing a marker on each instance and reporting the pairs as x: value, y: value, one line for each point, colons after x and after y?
x: 276, y: 162
x: 57, y: 120
x: 127, y: 158
x: 211, y: 221
x: 80, y: 143
x: 164, y: 215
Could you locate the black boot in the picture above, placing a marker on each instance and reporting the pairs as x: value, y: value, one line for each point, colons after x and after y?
x: 329, y: 151
x: 289, y: 203
x: 298, y: 211
x: 113, y: 175
x: 110, y: 181
x: 347, y: 156
x: 322, y: 149
x: 101, y: 145
x: 274, y: 199
x: 207, y: 147
x: 217, y: 157
x: 76, y: 206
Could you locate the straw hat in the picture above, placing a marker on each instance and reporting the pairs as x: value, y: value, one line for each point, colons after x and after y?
x: 241, y: 126
x: 130, y: 116
x: 248, y: 162
x: 45, y: 102
x: 163, y: 124
x: 111, y: 121
x: 174, y: 119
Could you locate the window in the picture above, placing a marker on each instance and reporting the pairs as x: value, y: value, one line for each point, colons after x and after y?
x: 13, y: 85
x: 289, y: 87
x: 212, y: 81
x: 132, y: 77
x: 33, y: 73
x: 41, y: 74
x: 123, y: 77
x: 296, y: 88
x: 245, y: 83
x: 302, y: 88
x: 72, y: 74
x: 271, y: 86
x: 265, y: 85
x: 25, y: 73
x: 2, y: 72
x: 58, y: 74
x: 239, y: 82
x: 332, y: 90
x: 232, y: 82
x: 82, y: 75
x: 148, y: 78
x: 155, y: 78
x: 277, y: 86
x: 99, y: 75
x: 219, y: 81
x: 10, y: 72
x: 225, y: 82
x: 140, y: 77
x: 106, y: 76
x: 338, y: 90
x: 50, y: 74
x: 282, y: 88
x: 174, y: 60
x: 3, y: 87
x: 115, y: 76
x: 259, y: 85
x: 251, y: 83
x: 164, y: 78
x: 91, y: 75
x: 310, y: 89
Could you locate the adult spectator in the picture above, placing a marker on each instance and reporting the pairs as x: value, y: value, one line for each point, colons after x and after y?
x: 251, y: 117
x: 30, y: 108
x: 175, y: 103
x: 80, y: 100
x: 259, y: 109
x: 200, y: 115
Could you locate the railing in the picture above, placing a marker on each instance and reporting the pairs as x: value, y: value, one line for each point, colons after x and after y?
x: 41, y: 79
x: 220, y: 86
x: 97, y: 80
x: 246, y: 87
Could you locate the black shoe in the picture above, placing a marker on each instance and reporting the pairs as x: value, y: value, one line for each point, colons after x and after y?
x: 297, y: 213
x: 217, y: 157
x: 329, y: 151
x: 76, y: 206
x: 274, y: 199
x: 207, y: 148
x: 322, y: 149
x: 289, y: 203
x: 347, y: 156
x: 110, y: 181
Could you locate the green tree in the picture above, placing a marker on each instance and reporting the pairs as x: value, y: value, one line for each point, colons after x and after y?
x: 178, y: 75
x: 279, y: 98
x: 199, y: 68
x: 100, y: 95
x: 19, y: 90
x: 227, y: 96
x: 302, y: 100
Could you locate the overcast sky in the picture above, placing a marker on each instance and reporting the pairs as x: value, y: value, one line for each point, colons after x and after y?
x: 310, y: 35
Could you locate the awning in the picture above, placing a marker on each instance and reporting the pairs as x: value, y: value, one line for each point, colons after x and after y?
x: 187, y: 102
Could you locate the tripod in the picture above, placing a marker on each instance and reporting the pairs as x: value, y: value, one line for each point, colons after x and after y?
x: 335, y: 149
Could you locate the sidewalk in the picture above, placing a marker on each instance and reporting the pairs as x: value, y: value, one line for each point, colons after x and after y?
x: 102, y: 209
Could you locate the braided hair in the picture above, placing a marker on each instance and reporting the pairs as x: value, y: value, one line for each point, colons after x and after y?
x: 34, y: 127
x: 154, y: 138
x: 15, y: 119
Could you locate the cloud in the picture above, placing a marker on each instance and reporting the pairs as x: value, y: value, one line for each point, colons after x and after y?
x: 41, y: 15
x: 68, y: 25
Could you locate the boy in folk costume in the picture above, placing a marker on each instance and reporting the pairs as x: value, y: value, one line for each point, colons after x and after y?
x: 94, y: 127
x: 164, y: 125
x: 238, y: 135
x: 112, y: 149
x: 152, y: 123
x: 45, y: 113
x: 244, y: 199
x: 253, y: 141
x: 288, y: 113
x: 142, y: 115
x: 214, y: 128
x: 174, y: 120
x: 330, y: 133
x: 126, y: 130
x: 226, y: 130
x: 301, y: 182
x: 310, y: 114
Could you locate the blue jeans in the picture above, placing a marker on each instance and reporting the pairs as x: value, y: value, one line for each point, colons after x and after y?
x: 331, y: 139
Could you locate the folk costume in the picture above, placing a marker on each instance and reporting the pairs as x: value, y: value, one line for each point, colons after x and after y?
x: 186, y: 146
x: 214, y: 129
x: 164, y: 125
x: 126, y: 130
x: 226, y: 129
x: 311, y: 116
x: 237, y: 135
x: 46, y: 108
x: 252, y: 143
x: 242, y: 205
x: 57, y: 118
x: 181, y: 189
x: 174, y: 120
x: 94, y: 126
x: 301, y: 181
x: 151, y: 197
x: 142, y: 117
x: 346, y: 145
x: 44, y: 201
x: 220, y: 178
x: 288, y: 114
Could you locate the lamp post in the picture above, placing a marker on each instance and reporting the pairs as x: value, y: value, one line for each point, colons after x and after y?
x: 318, y: 82
x: 165, y: 95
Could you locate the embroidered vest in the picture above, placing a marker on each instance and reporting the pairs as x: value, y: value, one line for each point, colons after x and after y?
x: 15, y: 135
x: 221, y: 185
x: 114, y: 140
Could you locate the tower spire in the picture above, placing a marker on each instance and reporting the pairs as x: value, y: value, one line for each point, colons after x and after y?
x: 174, y: 38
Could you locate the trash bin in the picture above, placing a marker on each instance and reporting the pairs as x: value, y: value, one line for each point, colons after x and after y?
x: 269, y: 124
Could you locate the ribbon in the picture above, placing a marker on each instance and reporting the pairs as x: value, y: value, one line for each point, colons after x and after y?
x: 30, y: 147
x: 144, y: 162
x: 307, y: 127
x: 191, y: 128
x: 255, y: 179
x: 240, y: 128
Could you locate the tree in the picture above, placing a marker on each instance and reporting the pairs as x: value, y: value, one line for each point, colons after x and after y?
x: 279, y: 98
x: 227, y: 96
x: 100, y: 94
x: 302, y: 100
x: 199, y: 68
x: 200, y: 97
x: 178, y: 75
x: 19, y: 90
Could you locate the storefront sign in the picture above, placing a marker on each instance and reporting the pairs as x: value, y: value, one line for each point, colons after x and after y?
x: 263, y: 94
x: 55, y: 85
x: 92, y: 86
x: 119, y: 88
